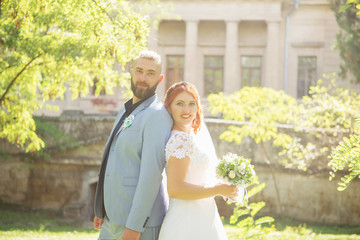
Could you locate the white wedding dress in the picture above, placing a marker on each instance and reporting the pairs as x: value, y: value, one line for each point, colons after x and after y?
x: 192, y: 219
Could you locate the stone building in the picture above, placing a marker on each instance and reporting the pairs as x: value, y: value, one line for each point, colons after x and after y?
x: 228, y: 44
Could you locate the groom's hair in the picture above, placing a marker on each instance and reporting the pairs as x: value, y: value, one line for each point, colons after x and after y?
x: 149, y: 55
x: 178, y: 88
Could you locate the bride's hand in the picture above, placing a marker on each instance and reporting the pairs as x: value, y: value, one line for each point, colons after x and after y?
x: 228, y: 191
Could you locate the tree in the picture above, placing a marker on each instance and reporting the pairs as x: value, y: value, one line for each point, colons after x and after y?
x: 48, y: 45
x: 347, y: 40
x: 260, y: 110
x: 328, y: 115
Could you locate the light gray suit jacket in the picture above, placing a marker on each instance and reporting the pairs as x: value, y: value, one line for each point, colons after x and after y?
x: 132, y: 185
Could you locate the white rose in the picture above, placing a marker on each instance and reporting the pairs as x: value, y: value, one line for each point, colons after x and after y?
x: 232, y: 174
x: 242, y: 167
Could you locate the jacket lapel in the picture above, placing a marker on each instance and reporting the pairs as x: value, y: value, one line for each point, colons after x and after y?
x: 141, y: 107
x: 122, y: 111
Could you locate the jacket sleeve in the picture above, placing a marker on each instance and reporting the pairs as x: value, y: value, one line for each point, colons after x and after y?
x: 155, y: 135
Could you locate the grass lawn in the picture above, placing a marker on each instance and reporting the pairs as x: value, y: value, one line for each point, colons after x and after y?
x: 289, y: 229
x: 18, y: 222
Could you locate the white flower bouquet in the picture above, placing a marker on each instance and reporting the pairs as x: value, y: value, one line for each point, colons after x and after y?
x: 236, y: 170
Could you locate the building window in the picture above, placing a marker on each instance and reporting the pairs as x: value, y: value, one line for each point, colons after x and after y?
x: 251, y: 71
x: 214, y: 74
x: 306, y: 75
x: 174, y: 69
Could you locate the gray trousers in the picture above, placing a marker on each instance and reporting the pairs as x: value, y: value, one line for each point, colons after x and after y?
x: 112, y: 231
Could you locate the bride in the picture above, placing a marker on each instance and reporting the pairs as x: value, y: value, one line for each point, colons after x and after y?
x: 191, y: 158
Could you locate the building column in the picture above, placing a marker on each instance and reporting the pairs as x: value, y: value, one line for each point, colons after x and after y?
x: 231, y: 60
x: 191, y: 40
x: 272, y: 67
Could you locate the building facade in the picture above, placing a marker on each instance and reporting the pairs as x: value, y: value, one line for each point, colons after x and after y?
x: 222, y: 46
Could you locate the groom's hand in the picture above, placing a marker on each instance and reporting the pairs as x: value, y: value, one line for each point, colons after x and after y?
x: 98, y: 222
x: 130, y: 234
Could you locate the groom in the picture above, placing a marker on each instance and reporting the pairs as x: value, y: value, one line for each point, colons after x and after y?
x: 129, y: 200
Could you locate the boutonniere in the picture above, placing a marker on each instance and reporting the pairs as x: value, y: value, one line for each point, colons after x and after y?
x: 128, y: 121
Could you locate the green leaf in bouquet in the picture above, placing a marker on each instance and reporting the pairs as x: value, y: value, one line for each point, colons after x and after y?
x: 238, y: 173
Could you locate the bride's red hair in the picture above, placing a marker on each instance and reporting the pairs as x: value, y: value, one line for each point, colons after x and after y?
x: 178, y: 88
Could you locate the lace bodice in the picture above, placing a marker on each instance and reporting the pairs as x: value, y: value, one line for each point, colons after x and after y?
x: 181, y: 145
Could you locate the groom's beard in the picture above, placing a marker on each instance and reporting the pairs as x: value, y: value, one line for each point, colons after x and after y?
x: 143, y: 93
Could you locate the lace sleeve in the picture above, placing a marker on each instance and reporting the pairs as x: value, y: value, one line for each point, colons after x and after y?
x: 179, y: 146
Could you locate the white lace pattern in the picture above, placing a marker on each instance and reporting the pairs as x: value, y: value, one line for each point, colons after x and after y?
x: 179, y: 145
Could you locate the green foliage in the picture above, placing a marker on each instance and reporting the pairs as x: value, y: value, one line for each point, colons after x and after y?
x: 261, y: 112
x: 261, y: 108
x: 328, y: 114
x: 244, y: 216
x: 349, y: 4
x: 49, y: 132
x: 329, y: 107
x: 336, y: 110
x: 347, y: 40
x: 346, y: 155
x: 48, y: 45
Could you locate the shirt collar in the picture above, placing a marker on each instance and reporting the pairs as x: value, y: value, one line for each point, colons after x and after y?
x: 129, y: 106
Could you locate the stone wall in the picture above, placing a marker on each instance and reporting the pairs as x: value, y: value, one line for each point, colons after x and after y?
x: 67, y: 180
x: 14, y: 179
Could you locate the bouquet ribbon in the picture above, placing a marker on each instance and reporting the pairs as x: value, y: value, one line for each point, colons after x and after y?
x: 242, y: 194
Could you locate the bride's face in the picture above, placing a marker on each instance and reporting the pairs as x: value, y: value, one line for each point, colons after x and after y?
x: 183, y: 109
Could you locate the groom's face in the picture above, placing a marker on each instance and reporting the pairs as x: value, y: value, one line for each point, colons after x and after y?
x: 145, y: 76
